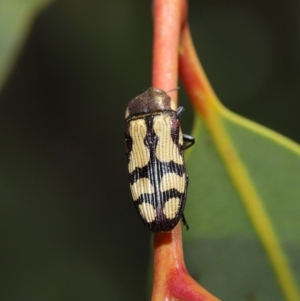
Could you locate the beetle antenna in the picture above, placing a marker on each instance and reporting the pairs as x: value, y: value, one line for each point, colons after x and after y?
x: 173, y: 90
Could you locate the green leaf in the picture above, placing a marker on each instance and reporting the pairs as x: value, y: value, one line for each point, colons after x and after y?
x: 16, y: 17
x: 241, y: 250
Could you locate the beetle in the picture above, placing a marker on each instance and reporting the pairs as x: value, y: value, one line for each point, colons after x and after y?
x: 154, y: 147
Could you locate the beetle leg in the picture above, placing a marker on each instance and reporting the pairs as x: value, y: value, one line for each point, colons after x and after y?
x: 189, y: 141
x: 186, y: 138
x: 179, y: 111
x: 185, y: 222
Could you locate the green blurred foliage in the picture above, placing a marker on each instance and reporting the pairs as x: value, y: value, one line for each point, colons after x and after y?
x: 224, y: 252
x: 16, y: 17
x: 68, y: 228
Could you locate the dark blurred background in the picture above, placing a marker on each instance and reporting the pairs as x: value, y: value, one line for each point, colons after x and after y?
x: 68, y: 228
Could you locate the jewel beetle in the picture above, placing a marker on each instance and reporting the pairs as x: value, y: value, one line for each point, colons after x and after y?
x: 154, y: 147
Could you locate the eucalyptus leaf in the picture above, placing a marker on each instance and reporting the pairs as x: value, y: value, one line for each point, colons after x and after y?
x: 224, y: 250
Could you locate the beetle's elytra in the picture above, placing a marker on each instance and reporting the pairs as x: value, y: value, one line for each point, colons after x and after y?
x: 154, y: 148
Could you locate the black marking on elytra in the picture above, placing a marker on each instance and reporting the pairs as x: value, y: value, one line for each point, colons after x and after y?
x: 162, y: 168
x: 151, y: 138
x: 175, y: 132
x: 128, y: 141
x: 161, y: 200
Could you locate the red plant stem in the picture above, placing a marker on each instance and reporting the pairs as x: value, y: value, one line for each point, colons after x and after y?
x: 168, y: 17
x: 171, y: 279
x: 168, y: 261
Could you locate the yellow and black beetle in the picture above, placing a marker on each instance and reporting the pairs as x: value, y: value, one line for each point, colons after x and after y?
x: 154, y: 148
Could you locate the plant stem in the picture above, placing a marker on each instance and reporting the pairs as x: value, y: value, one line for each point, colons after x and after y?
x: 171, y: 279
